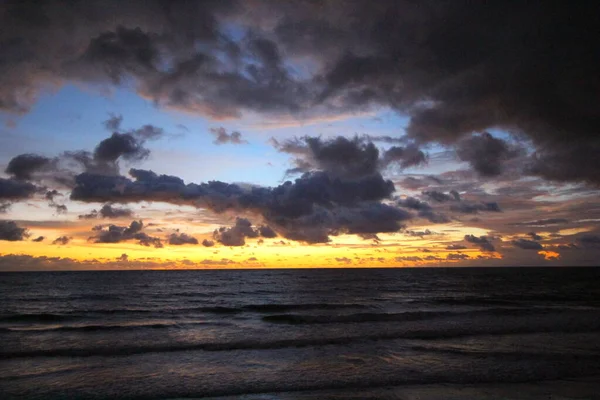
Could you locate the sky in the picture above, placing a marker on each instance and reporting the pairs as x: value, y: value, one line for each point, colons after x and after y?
x: 268, y: 134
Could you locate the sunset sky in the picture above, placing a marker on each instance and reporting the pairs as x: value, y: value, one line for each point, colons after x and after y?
x: 267, y: 134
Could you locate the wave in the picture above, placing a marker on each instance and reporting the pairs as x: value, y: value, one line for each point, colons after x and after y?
x: 98, y: 328
x: 40, y: 317
x: 296, y: 342
x: 397, y: 317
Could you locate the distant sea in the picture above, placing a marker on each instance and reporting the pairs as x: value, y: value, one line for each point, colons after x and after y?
x: 425, y: 333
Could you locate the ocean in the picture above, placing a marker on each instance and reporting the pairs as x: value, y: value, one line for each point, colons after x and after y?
x: 418, y: 333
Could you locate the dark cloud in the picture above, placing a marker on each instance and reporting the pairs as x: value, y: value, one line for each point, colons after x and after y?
x: 12, y: 190
x: 527, y: 244
x: 59, y: 208
x: 123, y: 258
x: 266, y: 231
x: 38, y: 239
x: 222, y: 137
x: 347, y: 157
x: 424, y: 210
x: 542, y: 222
x: 404, y: 157
x: 51, y: 194
x: 589, y: 240
x: 426, y: 232
x: 482, y: 241
x: 441, y: 197
x: 208, y: 243
x: 409, y: 258
x: 108, y: 211
x: 11, y: 232
x: 457, y: 256
x: 237, y: 234
x: 534, y: 236
x: 23, y: 166
x: 178, y: 239
x: 310, y: 208
x: 61, y: 240
x: 120, y: 145
x: 117, y: 234
x: 473, y: 208
x: 486, y: 154
x: 451, y: 67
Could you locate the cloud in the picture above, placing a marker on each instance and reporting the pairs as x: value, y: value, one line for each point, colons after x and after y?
x: 457, y: 256
x: 527, y: 244
x: 120, y: 145
x: 344, y: 260
x: 346, y: 157
x: 474, y: 208
x: 311, y: 208
x: 38, y: 239
x: 23, y: 166
x: 11, y: 232
x: 441, y: 197
x: 117, y: 234
x: 589, y: 240
x: 237, y: 234
x: 61, y: 240
x: 482, y: 241
x: 534, y: 236
x: 181, y: 238
x: 404, y: 157
x: 113, y: 123
x: 450, y: 68
x: 409, y: 258
x: 108, y: 211
x: 486, y: 154
x: 222, y: 137
x: 208, y: 243
x: 542, y: 222
x: 13, y: 190
x: 455, y: 247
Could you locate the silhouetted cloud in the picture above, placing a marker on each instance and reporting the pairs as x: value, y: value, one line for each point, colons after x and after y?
x: 534, y: 236
x: 13, y: 190
x: 473, y: 208
x: 208, y: 243
x: 117, y: 234
x: 441, y: 197
x: 38, y: 239
x: 542, y: 222
x: 222, y: 137
x: 23, y: 166
x: 10, y: 231
x: 482, y: 241
x: 486, y: 154
x: 61, y: 240
x: 527, y: 244
x: 178, y: 239
x: 108, y: 211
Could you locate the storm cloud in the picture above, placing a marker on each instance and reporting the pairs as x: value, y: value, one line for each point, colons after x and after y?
x: 451, y: 67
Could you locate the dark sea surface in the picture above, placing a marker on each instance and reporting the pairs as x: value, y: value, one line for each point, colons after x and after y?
x: 478, y: 333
